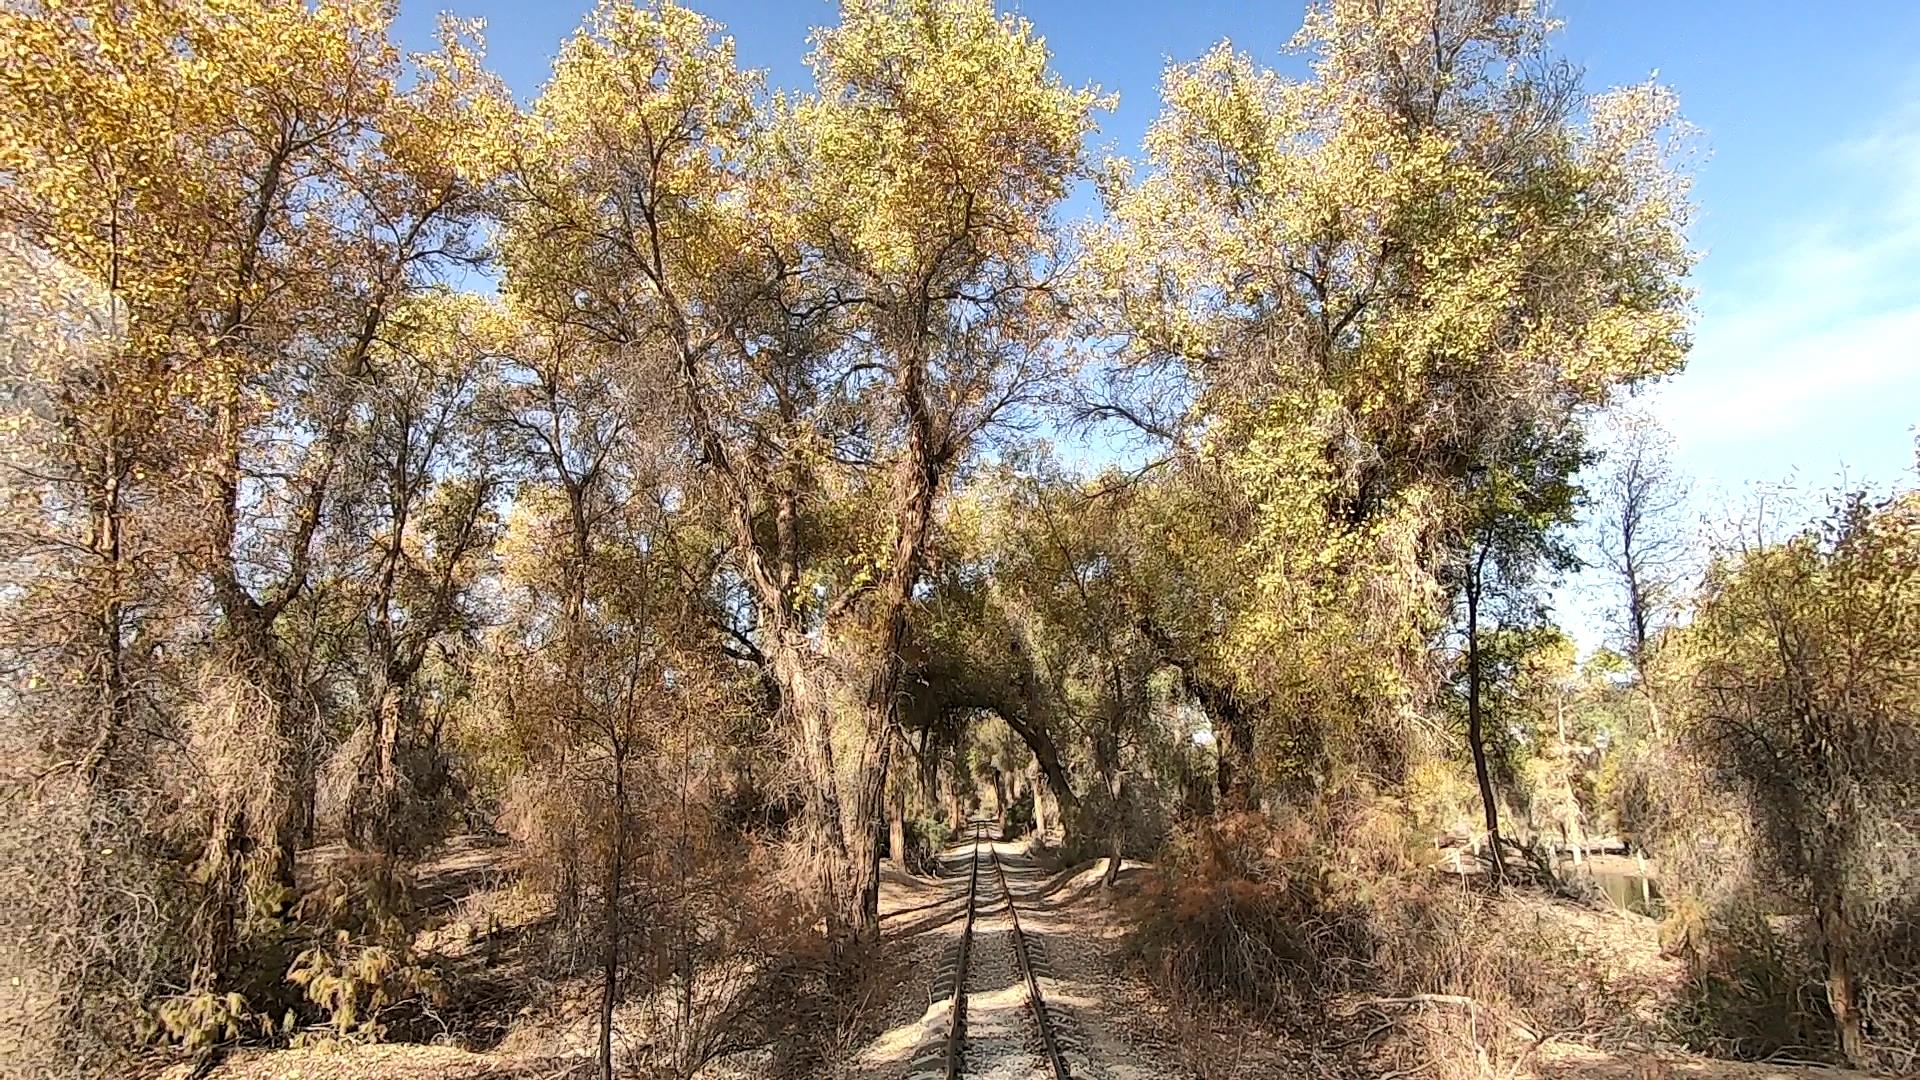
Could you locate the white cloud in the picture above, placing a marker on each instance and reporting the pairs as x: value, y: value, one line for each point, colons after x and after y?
x: 1796, y: 355
x: 1806, y: 362
x: 1763, y: 377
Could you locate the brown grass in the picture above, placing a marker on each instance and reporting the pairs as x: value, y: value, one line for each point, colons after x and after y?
x: 1325, y: 925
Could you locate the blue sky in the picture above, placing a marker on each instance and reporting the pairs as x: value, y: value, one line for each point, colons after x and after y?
x: 1807, y: 348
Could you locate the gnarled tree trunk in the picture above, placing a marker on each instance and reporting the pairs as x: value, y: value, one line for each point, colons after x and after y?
x: 1226, y: 714
x: 1836, y: 939
x: 897, y: 829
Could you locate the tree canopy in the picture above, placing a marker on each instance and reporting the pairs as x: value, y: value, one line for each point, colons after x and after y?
x: 675, y: 475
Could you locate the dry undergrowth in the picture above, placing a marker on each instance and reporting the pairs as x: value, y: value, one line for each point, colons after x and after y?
x: 780, y: 1003
x: 1339, y: 938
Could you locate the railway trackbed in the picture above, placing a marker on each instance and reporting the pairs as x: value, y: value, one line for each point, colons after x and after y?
x: 992, y: 976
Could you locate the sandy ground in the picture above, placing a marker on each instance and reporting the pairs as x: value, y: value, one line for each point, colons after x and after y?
x: 1091, y: 1011
x: 1570, y: 1062
x: 365, y: 1063
x: 1117, y: 1026
x: 1111, y: 1021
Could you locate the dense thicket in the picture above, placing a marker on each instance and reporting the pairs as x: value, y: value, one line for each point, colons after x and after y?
x: 724, y: 547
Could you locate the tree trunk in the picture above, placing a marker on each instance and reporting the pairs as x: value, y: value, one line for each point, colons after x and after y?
x: 1045, y: 753
x: 1021, y: 710
x: 916, y: 484
x: 1572, y: 831
x: 386, y: 773
x: 1476, y: 742
x: 1116, y: 834
x: 862, y: 920
x: 869, y: 821
x: 116, y: 713
x: 569, y: 907
x: 1653, y: 708
x: 1836, y: 939
x: 374, y: 800
x: 1232, y: 729
x: 263, y: 669
x: 897, y: 830
x: 1042, y: 812
x: 292, y: 827
x: 224, y: 871
x: 1233, y: 740
x: 610, y: 928
x: 250, y: 622
x: 831, y: 852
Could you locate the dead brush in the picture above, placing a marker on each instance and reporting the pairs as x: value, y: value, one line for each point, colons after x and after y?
x: 1325, y: 915
x: 1467, y: 983
x: 198, y: 1020
x: 93, y: 923
x: 1754, y: 991
x: 361, y: 970
x: 812, y: 1005
x: 1242, y: 912
x: 1889, y: 940
x: 717, y: 930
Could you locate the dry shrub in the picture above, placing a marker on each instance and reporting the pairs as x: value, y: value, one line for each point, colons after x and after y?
x: 1441, y: 798
x: 426, y: 803
x: 1804, y: 651
x: 717, y: 940
x: 813, y: 1005
x: 339, y: 775
x: 1329, y: 917
x: 1887, y: 940
x: 357, y: 985
x: 550, y: 829
x: 1244, y: 909
x: 1138, y: 818
x: 927, y: 836
x: 732, y: 959
x: 1755, y: 990
x: 1746, y: 995
x: 198, y: 1020
x: 361, y: 970
x: 1490, y: 975
x: 1756, y: 986
x: 91, y: 926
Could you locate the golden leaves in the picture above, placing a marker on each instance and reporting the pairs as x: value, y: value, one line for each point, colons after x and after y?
x: 631, y: 158
x: 932, y: 122
x: 1375, y: 273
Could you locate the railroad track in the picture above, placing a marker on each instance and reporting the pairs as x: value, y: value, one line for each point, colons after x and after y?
x: 953, y: 1060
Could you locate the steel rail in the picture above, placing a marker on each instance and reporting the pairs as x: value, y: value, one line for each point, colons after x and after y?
x: 957, y: 1022
x: 1055, y: 1062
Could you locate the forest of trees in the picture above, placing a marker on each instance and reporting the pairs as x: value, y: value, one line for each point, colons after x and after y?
x: 666, y: 475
